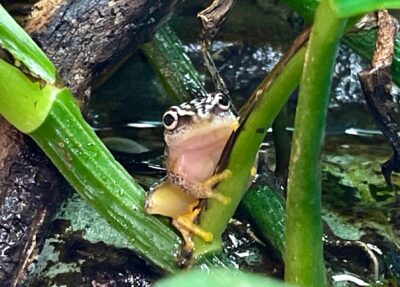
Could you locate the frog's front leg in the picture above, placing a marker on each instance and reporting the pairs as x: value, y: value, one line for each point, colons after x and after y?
x: 205, y: 189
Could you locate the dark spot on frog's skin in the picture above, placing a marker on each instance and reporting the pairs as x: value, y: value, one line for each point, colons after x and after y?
x: 260, y: 130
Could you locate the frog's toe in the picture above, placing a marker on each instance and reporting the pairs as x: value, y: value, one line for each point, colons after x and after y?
x: 221, y: 198
x: 218, y: 177
x: 185, y: 225
x: 213, y: 180
x: 225, y: 174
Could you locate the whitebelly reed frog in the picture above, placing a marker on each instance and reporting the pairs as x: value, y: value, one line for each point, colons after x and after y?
x: 195, y: 135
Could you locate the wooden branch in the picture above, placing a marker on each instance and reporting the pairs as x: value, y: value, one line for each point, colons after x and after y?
x: 376, y: 84
x: 100, y: 33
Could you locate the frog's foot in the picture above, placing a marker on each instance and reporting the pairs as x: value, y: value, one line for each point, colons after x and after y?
x: 206, y: 186
x: 184, y: 223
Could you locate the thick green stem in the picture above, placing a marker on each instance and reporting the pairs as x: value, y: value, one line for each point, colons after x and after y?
x: 274, y: 94
x: 304, y: 263
x: 90, y: 168
x: 282, y: 145
x: 265, y: 210
x: 172, y: 66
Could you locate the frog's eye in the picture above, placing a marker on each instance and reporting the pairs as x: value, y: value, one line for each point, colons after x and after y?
x: 224, y: 102
x: 170, y: 120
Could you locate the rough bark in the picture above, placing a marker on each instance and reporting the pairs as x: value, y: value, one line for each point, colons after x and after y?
x: 376, y: 84
x: 29, y: 191
x: 84, y: 39
x: 101, y: 33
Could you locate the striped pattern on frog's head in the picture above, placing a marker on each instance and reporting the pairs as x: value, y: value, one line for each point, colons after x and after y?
x: 198, y: 117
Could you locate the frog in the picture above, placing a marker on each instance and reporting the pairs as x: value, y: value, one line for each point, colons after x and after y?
x: 195, y: 134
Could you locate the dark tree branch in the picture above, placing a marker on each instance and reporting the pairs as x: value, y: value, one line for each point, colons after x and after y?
x: 376, y: 84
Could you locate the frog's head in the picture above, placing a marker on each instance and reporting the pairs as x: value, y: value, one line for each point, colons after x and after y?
x: 200, y: 122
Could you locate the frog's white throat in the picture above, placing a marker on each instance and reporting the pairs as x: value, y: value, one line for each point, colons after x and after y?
x: 195, y: 158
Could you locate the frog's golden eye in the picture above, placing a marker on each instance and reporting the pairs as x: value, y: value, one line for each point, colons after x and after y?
x: 170, y: 120
x: 224, y: 102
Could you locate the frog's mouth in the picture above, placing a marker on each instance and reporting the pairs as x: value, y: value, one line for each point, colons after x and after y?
x: 201, y: 136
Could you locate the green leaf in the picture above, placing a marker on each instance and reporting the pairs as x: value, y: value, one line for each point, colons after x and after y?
x: 18, y: 43
x: 219, y: 278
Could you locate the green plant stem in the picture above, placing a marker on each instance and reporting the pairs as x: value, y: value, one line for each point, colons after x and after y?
x: 173, y: 67
x: 90, y: 168
x: 274, y: 95
x: 15, y: 40
x: 281, y: 144
x: 24, y: 102
x: 304, y: 263
x: 345, y: 8
x: 265, y: 210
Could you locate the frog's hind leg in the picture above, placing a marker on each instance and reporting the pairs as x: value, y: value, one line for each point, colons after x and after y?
x: 168, y: 199
x: 185, y: 224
